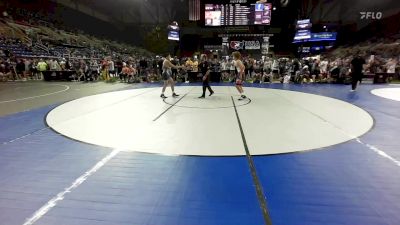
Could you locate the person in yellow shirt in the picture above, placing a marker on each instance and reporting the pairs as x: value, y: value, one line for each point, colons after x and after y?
x: 41, y: 66
x: 105, y: 69
x: 195, y: 66
x: 189, y: 64
x: 190, y: 68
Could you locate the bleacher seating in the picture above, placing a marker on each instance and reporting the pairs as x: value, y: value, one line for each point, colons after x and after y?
x: 31, y: 33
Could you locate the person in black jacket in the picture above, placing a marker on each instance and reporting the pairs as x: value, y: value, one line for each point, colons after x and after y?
x: 356, y: 71
x: 204, y: 68
x: 20, y: 68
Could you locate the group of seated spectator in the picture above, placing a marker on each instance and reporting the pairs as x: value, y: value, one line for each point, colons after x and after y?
x: 132, y: 70
x: 319, y: 69
x: 23, y: 69
x: 127, y: 70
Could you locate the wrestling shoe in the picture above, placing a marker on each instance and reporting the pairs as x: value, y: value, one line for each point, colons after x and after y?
x: 243, y: 97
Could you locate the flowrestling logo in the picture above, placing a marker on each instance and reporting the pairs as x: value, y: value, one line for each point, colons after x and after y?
x: 237, y: 45
x: 252, y: 45
x: 248, y: 45
x: 371, y: 15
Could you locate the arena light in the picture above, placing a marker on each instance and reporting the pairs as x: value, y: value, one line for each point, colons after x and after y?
x: 284, y: 3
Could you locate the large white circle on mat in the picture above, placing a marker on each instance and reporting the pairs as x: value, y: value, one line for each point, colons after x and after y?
x: 274, y: 121
x: 389, y: 93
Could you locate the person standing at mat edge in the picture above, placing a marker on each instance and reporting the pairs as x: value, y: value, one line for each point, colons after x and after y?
x: 240, y: 68
x: 356, y: 71
x: 204, y: 67
x: 167, y: 75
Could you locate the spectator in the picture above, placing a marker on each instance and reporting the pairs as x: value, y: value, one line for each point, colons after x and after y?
x: 142, y: 66
x: 20, y: 69
x: 275, y: 68
x: 111, y: 67
x: 123, y: 76
x: 315, y: 71
x: 54, y: 66
x: 257, y: 67
x: 34, y: 70
x: 391, y: 66
x: 356, y: 71
x: 324, y: 69
x: 105, y: 70
x: 5, y: 72
x: 224, y: 70
x: 131, y: 74
x: 42, y: 67
x: 267, y: 70
x: 189, y: 64
x: 118, y: 66
x: 232, y: 70
x: 63, y: 64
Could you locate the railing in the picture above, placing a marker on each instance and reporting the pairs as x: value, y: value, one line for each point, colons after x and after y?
x: 27, y: 41
x: 40, y: 46
x: 57, y: 54
x: 17, y: 31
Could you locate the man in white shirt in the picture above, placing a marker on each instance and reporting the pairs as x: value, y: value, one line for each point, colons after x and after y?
x: 323, y: 65
x: 62, y: 63
x: 267, y: 70
x: 275, y: 67
x: 54, y: 66
x: 111, y: 67
x: 232, y: 70
x: 391, y: 66
x: 223, y: 69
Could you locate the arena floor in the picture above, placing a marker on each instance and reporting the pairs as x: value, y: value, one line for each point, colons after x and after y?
x: 116, y: 154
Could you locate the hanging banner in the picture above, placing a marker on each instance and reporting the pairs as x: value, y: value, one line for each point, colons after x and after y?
x: 252, y: 43
x: 245, y: 45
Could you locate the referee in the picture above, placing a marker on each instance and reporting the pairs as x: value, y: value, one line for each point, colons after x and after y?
x: 204, y: 68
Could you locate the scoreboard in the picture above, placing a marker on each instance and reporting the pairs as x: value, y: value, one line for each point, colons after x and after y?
x: 237, y: 14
